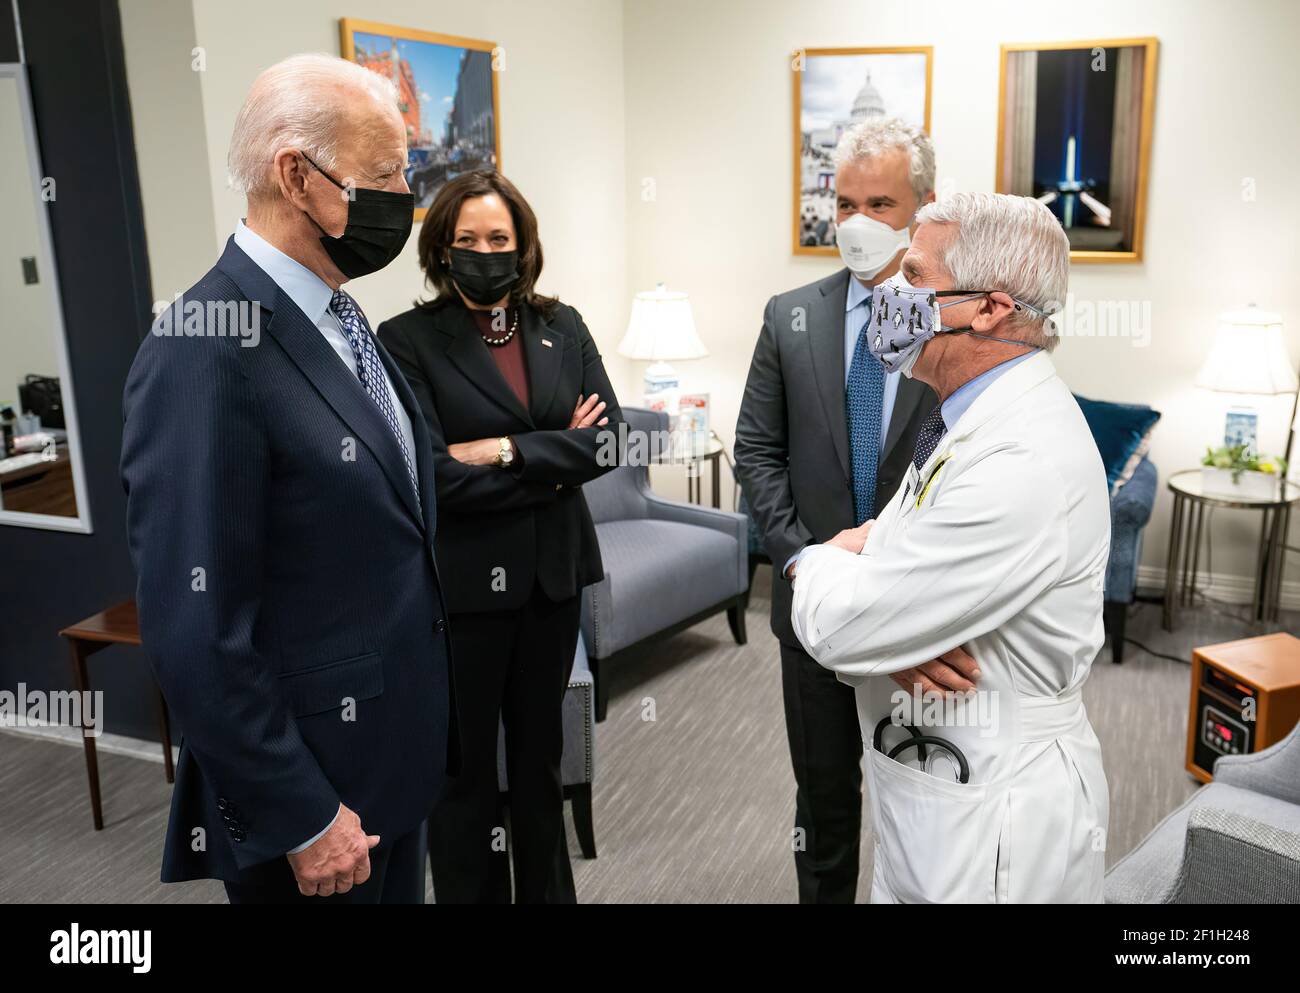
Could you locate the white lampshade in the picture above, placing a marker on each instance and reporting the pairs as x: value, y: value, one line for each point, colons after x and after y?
x: 1248, y: 355
x: 662, y: 328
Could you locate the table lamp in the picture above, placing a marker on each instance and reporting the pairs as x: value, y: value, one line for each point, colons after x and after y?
x: 661, y: 330
x: 1248, y: 356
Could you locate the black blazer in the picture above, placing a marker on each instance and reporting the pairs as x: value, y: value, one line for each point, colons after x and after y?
x: 502, y: 530
x: 308, y: 662
x: 792, y: 435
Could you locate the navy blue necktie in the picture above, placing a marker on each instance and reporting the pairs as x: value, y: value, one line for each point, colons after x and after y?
x: 864, y: 398
x: 370, y: 370
x: 927, y: 437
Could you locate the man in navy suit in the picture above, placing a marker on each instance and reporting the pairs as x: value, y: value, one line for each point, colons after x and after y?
x: 281, y: 518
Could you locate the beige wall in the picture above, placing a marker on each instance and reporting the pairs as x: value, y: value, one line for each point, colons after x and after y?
x: 600, y: 95
x: 561, y: 113
x: 561, y: 119
x: 709, y: 120
x: 171, y: 142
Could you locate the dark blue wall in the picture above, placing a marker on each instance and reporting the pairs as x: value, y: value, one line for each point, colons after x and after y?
x: 49, y: 579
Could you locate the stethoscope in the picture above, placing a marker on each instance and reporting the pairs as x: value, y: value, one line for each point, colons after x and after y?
x: 920, y: 741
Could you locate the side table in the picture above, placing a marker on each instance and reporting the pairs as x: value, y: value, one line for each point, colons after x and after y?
x: 1187, y: 524
x: 118, y: 625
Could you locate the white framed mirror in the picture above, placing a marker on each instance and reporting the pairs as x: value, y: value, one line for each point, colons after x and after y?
x: 42, y: 478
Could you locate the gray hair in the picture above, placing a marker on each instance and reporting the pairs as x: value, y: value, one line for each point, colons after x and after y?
x: 1008, y: 243
x: 877, y: 135
x: 297, y: 103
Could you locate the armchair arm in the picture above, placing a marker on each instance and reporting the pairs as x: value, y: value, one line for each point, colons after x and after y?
x: 1230, y: 858
x: 731, y: 524
x: 1130, y: 510
x: 1273, y: 771
x: 1131, y: 505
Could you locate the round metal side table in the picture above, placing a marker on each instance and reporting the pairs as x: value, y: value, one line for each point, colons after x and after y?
x: 1187, y: 524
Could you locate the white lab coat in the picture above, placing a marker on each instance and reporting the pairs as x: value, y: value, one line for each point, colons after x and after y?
x: 1005, y: 553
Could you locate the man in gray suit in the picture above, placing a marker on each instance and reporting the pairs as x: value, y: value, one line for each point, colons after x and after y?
x: 823, y: 439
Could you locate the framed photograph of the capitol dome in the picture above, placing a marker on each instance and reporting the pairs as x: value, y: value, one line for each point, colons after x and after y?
x: 1074, y: 130
x: 835, y: 88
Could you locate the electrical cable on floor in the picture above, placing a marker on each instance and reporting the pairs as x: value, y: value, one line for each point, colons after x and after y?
x: 1251, y: 625
x: 1160, y: 655
x: 1199, y: 597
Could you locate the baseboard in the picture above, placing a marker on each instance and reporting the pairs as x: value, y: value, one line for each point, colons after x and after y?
x: 113, y: 744
x: 1222, y: 586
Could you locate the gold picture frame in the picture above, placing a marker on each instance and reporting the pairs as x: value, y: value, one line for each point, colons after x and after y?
x: 1121, y: 217
x: 909, y: 105
x: 420, y: 63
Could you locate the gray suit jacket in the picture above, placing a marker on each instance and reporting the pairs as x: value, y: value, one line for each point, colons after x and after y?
x: 792, y: 436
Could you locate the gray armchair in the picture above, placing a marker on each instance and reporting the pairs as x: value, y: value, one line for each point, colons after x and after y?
x: 1237, y: 840
x: 668, y: 565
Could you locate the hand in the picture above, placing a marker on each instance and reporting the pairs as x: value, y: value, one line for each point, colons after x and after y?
x: 852, y: 539
x: 585, y: 414
x: 338, y: 860
x: 481, y: 452
x: 952, y: 672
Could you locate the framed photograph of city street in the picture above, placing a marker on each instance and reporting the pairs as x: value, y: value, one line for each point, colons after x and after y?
x: 835, y: 88
x: 1074, y: 130
x: 448, y: 89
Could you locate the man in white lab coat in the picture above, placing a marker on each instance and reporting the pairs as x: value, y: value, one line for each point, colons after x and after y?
x: 996, y: 540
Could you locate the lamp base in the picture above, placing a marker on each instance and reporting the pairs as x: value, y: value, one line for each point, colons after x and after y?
x: 1241, y: 427
x: 660, y: 376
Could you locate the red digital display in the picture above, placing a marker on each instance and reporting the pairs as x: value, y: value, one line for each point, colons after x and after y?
x: 1224, y: 733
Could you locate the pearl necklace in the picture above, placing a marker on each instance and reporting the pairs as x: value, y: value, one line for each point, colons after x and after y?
x: 514, y: 325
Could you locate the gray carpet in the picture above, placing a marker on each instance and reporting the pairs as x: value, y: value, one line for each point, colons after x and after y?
x: 694, y: 805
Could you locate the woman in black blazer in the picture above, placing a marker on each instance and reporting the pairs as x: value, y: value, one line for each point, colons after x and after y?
x: 520, y: 414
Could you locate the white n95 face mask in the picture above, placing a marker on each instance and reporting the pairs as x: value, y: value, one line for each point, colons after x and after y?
x: 867, y: 245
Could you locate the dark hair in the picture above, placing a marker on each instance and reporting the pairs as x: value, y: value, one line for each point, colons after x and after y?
x: 438, y: 230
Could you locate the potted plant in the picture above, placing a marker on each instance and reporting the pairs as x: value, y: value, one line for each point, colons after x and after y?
x: 1236, y: 471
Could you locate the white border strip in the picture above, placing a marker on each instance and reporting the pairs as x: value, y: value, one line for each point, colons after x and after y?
x: 112, y: 744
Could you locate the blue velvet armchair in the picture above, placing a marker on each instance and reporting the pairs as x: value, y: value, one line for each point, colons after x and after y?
x: 1130, y: 510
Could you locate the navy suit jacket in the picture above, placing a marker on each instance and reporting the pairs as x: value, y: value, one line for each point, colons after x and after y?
x: 288, y: 596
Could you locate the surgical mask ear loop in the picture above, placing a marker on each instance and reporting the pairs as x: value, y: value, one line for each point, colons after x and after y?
x: 1019, y: 305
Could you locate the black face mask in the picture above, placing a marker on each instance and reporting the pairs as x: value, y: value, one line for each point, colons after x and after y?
x: 484, y: 277
x: 379, y: 222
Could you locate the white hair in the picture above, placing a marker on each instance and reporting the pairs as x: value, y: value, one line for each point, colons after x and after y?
x: 877, y: 135
x: 1008, y: 243
x: 298, y: 103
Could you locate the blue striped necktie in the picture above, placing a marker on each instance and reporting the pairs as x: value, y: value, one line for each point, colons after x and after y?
x: 864, y: 398
x: 370, y: 370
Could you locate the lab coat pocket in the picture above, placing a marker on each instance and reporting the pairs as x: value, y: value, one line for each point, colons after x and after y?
x: 938, y: 839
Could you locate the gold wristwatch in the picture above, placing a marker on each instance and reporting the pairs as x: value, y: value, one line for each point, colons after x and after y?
x: 505, y: 454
